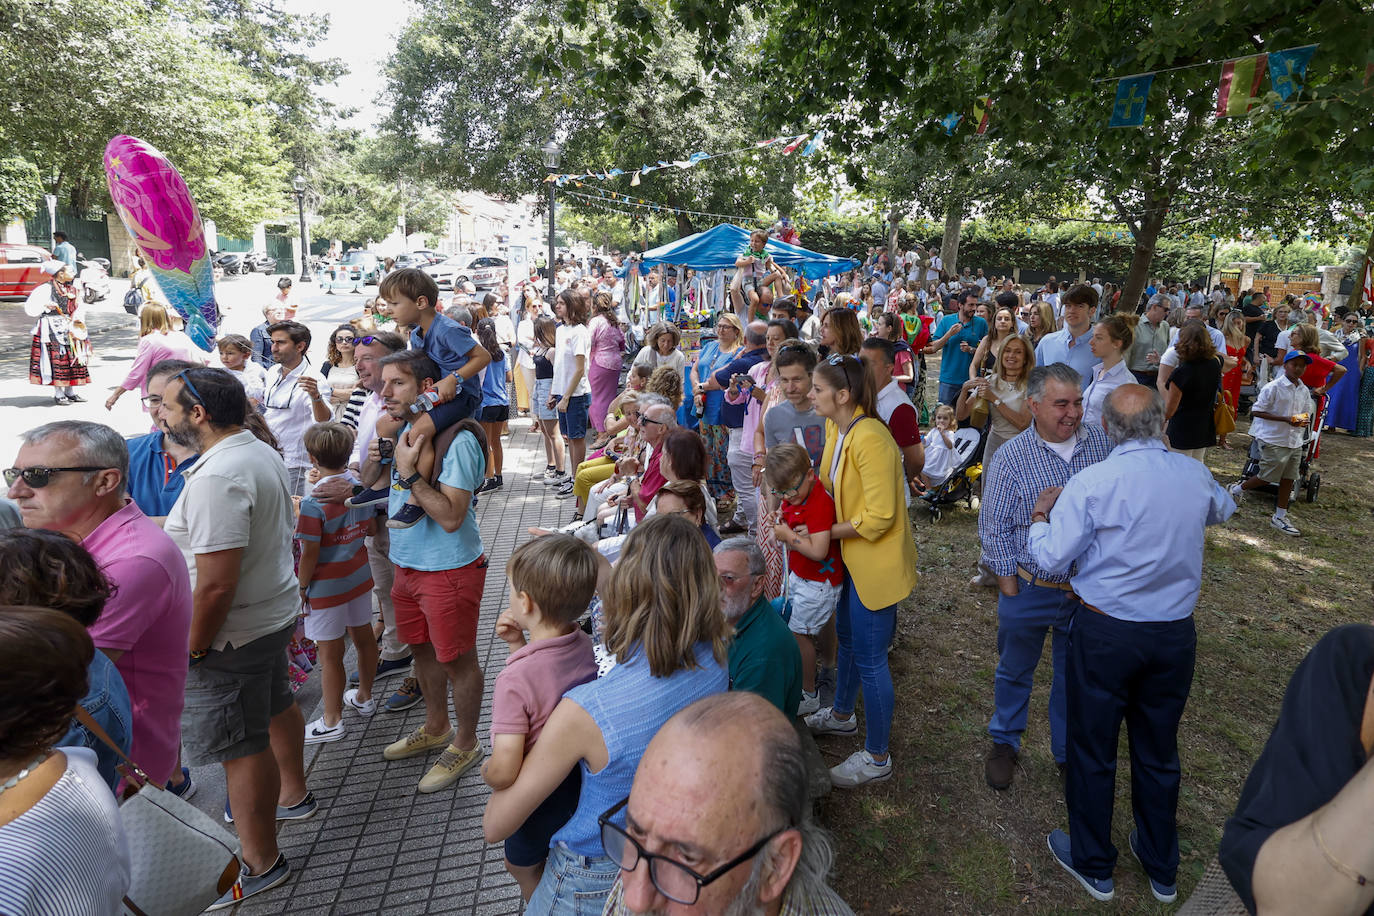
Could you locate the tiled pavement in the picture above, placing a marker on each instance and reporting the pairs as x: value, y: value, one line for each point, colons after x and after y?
x: 377, y: 845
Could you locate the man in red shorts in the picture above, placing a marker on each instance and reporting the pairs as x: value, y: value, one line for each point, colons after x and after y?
x: 440, y: 573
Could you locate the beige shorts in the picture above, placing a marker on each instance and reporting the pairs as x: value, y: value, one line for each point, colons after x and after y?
x: 1279, y: 462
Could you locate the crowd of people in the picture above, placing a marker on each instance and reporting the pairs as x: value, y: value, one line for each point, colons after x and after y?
x: 738, y: 552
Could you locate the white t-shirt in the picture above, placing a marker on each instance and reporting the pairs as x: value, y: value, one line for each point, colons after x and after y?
x: 939, y: 457
x: 236, y: 496
x: 570, y: 342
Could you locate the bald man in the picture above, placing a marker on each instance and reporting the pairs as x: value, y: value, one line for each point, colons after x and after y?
x: 1132, y: 643
x: 721, y: 792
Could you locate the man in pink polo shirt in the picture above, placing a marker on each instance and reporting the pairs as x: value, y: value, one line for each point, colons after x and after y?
x: 145, y: 626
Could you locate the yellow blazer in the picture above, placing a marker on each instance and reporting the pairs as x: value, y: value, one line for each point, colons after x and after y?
x: 871, y: 495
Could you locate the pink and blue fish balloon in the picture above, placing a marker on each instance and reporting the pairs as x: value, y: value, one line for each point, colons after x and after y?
x: 156, y: 207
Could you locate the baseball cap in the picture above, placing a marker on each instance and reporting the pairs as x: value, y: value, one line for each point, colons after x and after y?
x: 1296, y: 354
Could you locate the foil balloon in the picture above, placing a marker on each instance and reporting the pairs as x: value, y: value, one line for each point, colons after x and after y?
x: 156, y: 208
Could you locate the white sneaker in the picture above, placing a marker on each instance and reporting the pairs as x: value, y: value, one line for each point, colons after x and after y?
x: 1235, y: 491
x: 365, y: 708
x: 810, y: 702
x: 859, y: 768
x: 1284, y: 525
x: 319, y: 733
x: 823, y: 722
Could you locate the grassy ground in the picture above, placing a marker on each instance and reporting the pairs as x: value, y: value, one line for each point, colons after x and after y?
x: 936, y: 839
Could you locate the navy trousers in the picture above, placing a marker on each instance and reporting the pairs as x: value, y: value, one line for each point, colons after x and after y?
x: 1139, y: 673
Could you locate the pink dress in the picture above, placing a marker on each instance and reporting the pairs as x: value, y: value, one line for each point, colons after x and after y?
x: 603, y: 367
x: 154, y: 348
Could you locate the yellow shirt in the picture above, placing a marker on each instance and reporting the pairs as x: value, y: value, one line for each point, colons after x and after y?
x: 869, y: 489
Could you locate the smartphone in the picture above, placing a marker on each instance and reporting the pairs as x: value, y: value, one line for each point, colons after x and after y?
x: 386, y: 448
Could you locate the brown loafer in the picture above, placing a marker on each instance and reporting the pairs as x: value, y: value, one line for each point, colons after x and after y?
x: 999, y: 768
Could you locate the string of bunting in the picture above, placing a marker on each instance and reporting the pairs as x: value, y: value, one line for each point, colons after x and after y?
x: 1239, y: 86
x: 787, y: 145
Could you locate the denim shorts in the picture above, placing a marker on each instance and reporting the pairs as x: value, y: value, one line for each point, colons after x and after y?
x: 529, y: 844
x: 573, y: 422
x: 573, y: 885
x: 543, y: 387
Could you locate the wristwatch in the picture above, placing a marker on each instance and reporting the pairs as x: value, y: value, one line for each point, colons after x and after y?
x: 406, y: 482
x: 1039, y: 517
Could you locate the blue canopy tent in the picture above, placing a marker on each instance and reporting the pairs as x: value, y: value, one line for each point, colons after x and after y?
x: 718, y: 247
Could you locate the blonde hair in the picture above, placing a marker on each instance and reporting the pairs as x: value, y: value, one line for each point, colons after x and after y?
x: 663, y: 597
x: 152, y: 318
x: 558, y: 572
x: 944, y: 410
x: 666, y: 381
x: 1017, y: 339
x: 785, y: 465
x: 1233, y: 329
x: 1305, y: 337
x: 732, y: 320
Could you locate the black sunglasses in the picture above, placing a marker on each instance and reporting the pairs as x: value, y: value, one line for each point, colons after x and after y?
x: 673, y: 880
x: 644, y: 419
x: 38, y: 476
x: 363, y: 341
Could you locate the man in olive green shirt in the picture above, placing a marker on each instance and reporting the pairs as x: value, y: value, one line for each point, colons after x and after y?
x: 764, y: 657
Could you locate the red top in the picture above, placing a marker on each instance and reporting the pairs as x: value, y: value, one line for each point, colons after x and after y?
x: 1317, y: 370
x: 817, y: 514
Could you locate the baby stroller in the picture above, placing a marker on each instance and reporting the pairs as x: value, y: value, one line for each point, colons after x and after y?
x: 959, y: 486
x: 1309, y: 481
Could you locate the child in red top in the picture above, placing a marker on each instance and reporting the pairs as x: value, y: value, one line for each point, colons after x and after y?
x: 815, y: 573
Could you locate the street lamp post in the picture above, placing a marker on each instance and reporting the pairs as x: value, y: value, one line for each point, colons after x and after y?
x: 1212, y: 266
x: 552, y: 152
x: 299, y: 185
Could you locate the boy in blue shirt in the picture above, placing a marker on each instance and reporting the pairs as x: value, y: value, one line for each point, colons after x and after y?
x: 412, y: 294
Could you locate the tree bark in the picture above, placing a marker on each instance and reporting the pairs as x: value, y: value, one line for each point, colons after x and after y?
x: 1357, y: 294
x: 1146, y: 233
x: 894, y: 216
x: 949, y: 245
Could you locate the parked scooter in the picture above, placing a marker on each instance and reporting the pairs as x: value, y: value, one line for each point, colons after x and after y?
x: 95, y: 280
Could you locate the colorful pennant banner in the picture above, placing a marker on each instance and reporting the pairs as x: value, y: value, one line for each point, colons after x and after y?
x: 788, y: 145
x: 1239, y: 85
x: 1132, y: 92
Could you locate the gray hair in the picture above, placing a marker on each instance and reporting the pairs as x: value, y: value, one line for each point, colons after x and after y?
x: 756, y: 334
x: 747, y: 546
x: 460, y: 314
x: 1146, y: 423
x: 97, y: 445
x: 1040, y: 375
x: 647, y: 399
x: 1162, y: 299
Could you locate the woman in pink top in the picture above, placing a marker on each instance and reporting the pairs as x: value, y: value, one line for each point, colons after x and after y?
x: 156, y: 342
x: 607, y: 353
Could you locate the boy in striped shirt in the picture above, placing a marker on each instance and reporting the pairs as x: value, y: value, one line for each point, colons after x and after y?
x: 336, y: 584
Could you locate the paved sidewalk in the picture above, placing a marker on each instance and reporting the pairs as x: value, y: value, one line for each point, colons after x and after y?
x: 378, y: 845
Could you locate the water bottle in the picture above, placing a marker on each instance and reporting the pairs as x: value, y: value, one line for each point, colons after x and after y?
x: 425, y: 403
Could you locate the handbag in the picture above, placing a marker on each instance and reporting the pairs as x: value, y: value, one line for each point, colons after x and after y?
x: 1223, y: 416
x: 180, y: 860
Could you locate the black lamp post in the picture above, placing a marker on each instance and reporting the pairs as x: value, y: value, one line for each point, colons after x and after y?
x: 552, y: 152
x: 299, y: 185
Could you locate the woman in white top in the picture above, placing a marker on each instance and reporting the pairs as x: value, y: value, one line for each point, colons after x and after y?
x: 1005, y: 393
x: 661, y: 348
x: 62, y: 847
x: 1111, y: 341
x: 524, y: 360
x: 571, y: 392
x: 340, y: 369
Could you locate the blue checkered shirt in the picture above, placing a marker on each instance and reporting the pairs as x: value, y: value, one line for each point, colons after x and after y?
x: 1023, y: 467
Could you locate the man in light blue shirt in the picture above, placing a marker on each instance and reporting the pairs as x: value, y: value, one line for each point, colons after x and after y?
x: 63, y: 250
x: 1070, y: 344
x: 1132, y: 642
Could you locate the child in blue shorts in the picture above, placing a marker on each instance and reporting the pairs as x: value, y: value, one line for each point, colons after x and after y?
x: 412, y: 294
x: 552, y: 580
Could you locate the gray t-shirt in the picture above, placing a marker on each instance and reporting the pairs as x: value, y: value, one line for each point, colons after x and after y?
x: 784, y: 423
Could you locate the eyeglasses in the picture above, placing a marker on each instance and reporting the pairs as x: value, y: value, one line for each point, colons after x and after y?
x: 151, y: 401
x: 362, y: 341
x: 38, y: 476
x: 672, y: 879
x: 788, y: 491
x: 339, y: 340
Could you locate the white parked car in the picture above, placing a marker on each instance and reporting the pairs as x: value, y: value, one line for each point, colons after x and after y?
x: 484, y: 271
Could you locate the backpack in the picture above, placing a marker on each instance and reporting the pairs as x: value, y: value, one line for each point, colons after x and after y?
x: 133, y: 299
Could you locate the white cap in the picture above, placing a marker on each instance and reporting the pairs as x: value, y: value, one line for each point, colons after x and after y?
x: 52, y: 267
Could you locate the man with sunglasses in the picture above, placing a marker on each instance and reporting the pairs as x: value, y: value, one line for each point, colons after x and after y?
x: 719, y: 821
x: 234, y: 524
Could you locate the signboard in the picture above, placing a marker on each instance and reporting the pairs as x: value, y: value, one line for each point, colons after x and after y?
x: 517, y: 275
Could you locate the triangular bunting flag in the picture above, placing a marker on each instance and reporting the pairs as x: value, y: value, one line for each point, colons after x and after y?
x: 1288, y: 70
x: 792, y: 144
x: 981, y: 108
x: 763, y: 143
x: 950, y: 122
x: 698, y: 157
x: 815, y: 141
x: 1240, y: 83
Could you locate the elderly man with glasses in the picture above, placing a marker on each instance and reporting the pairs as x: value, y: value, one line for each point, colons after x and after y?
x: 718, y: 820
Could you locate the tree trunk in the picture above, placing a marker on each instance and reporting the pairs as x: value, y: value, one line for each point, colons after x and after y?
x: 894, y: 217
x: 1146, y: 236
x: 1357, y: 294
x: 684, y: 225
x: 949, y: 246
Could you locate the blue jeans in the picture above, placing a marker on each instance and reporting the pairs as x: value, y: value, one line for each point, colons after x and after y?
x: 107, y: 701
x: 573, y: 885
x: 1140, y: 674
x: 1021, y: 625
x: 949, y: 394
x: 864, y: 636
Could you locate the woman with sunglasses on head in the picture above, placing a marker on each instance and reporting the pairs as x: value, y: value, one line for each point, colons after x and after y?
x: 862, y: 468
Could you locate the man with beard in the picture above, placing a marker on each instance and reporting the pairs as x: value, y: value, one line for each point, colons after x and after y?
x: 233, y: 524
x: 764, y: 657
x: 722, y: 786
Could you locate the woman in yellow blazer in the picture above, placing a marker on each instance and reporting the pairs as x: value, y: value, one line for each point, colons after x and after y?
x: 862, y: 468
